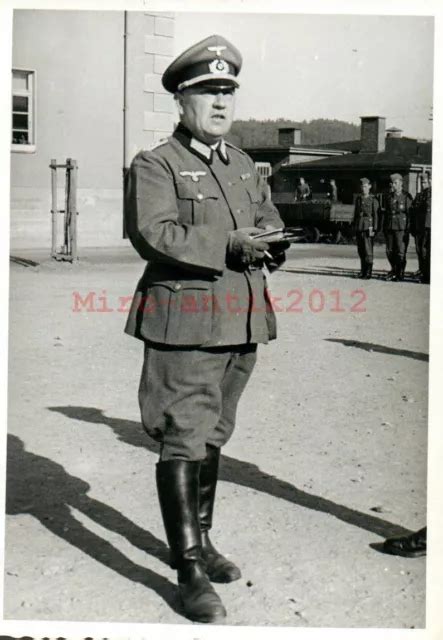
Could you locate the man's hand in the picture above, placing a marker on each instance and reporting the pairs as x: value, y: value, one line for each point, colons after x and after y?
x: 276, y: 256
x: 243, y: 249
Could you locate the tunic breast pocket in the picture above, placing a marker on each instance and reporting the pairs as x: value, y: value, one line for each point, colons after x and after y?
x: 196, y: 202
x: 245, y: 199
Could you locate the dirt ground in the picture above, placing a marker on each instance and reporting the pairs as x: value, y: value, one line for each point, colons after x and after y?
x: 328, y: 458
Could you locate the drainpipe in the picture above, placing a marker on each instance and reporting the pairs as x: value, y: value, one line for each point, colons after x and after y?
x: 125, y: 104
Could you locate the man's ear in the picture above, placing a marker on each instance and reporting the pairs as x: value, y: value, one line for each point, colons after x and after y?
x: 178, y: 97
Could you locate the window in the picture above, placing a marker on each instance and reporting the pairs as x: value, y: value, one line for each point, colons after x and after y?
x: 23, y: 93
x: 264, y: 169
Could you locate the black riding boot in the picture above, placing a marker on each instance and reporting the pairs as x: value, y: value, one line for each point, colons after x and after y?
x: 218, y: 568
x: 403, y: 269
x: 178, y: 489
x: 400, y: 269
x: 368, y: 273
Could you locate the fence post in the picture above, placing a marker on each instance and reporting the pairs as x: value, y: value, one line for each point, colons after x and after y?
x: 73, y: 206
x: 54, y: 210
x: 66, y: 232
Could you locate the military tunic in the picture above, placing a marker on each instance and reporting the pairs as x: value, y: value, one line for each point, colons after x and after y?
x: 396, y: 229
x: 302, y: 192
x: 366, y: 218
x: 421, y: 228
x: 200, y: 317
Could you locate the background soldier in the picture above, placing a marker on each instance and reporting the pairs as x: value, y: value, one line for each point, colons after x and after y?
x: 365, y: 225
x: 333, y: 191
x: 193, y: 203
x: 421, y: 227
x: 396, y: 227
x: 303, y: 190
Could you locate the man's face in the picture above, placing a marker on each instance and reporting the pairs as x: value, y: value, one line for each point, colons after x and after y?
x: 424, y: 182
x: 396, y: 185
x: 207, y: 111
x: 365, y: 187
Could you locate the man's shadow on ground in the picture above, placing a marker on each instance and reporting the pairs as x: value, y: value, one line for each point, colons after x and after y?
x: 242, y: 473
x: 39, y: 487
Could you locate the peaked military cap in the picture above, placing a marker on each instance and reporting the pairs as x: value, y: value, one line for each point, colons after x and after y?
x: 396, y: 176
x: 213, y: 61
x: 365, y: 181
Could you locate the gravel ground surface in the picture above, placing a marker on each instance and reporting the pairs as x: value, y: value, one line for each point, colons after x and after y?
x: 329, y: 455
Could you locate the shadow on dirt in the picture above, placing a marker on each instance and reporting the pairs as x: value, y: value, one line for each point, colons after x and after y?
x: 242, y: 473
x: 379, y: 348
x: 39, y: 487
x: 23, y: 262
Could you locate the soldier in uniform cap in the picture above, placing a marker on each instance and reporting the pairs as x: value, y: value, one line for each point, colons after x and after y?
x: 193, y: 204
x: 421, y: 227
x: 365, y: 225
x: 396, y: 218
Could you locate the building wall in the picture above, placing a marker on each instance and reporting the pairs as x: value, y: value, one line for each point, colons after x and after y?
x: 79, y: 61
x: 150, y: 108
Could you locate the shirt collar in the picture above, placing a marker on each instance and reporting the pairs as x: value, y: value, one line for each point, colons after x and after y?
x: 201, y: 148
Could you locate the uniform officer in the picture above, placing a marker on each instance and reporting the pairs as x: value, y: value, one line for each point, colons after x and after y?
x: 421, y: 227
x: 193, y: 204
x: 396, y: 218
x: 303, y: 190
x: 365, y: 225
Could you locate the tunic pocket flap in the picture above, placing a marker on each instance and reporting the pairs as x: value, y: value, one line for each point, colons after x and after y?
x: 180, y: 285
x: 195, y: 191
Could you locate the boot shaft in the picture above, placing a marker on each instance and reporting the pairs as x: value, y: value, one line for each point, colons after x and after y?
x: 178, y: 493
x: 208, y: 483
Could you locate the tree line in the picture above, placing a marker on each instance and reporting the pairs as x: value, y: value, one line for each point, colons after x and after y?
x: 264, y: 133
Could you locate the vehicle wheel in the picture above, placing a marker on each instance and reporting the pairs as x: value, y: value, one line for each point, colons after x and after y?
x: 312, y: 234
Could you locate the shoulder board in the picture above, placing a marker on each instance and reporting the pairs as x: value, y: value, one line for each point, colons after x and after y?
x: 156, y: 145
x: 229, y: 144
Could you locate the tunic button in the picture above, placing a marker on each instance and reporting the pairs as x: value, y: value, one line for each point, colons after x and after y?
x: 238, y: 211
x: 199, y: 196
x: 229, y: 184
x: 177, y: 286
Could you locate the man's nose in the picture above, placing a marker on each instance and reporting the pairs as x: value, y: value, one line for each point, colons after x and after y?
x: 219, y: 100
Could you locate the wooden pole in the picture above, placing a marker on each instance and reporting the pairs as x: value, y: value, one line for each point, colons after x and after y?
x: 73, y: 208
x: 66, y: 246
x: 54, y: 211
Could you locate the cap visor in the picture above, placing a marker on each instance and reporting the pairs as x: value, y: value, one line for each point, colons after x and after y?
x: 219, y: 80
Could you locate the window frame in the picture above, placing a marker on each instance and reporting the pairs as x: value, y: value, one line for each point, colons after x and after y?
x: 30, y: 93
